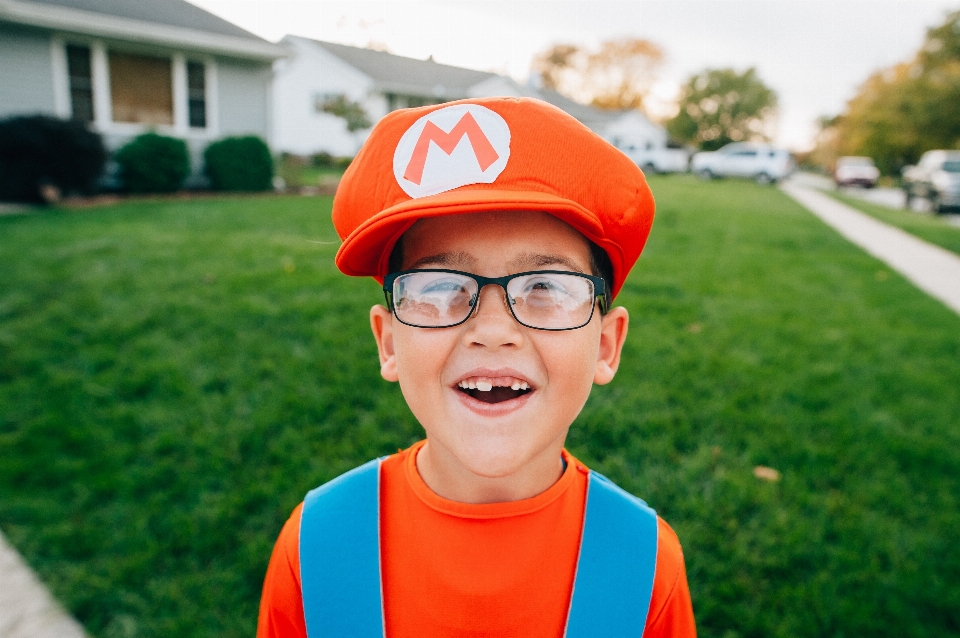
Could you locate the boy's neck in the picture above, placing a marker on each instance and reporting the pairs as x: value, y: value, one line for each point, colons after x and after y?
x: 450, y: 479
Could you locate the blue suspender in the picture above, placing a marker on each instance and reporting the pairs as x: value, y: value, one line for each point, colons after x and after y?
x: 340, y: 556
x: 618, y: 558
x: 340, y: 560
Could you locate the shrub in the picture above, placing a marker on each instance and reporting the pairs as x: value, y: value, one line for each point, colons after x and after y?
x: 43, y: 157
x: 322, y: 160
x: 152, y: 163
x: 239, y: 164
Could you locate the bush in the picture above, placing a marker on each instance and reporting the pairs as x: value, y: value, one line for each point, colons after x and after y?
x: 43, y: 157
x: 239, y: 164
x: 152, y: 163
x: 322, y: 160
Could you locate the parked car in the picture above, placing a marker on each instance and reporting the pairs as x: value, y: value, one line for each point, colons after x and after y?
x: 659, y: 160
x: 762, y: 163
x: 935, y: 178
x: 856, y: 171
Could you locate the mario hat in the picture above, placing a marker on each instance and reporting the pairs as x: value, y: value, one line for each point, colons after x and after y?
x: 488, y: 154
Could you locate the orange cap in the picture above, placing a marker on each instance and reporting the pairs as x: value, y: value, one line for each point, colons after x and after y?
x: 488, y: 154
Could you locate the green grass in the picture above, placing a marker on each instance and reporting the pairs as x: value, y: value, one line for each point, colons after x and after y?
x: 931, y: 228
x: 296, y: 173
x: 174, y: 376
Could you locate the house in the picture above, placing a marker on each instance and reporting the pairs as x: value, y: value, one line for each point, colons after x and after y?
x: 128, y: 66
x: 318, y: 72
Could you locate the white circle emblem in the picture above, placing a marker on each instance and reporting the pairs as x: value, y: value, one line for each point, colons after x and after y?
x: 452, y: 147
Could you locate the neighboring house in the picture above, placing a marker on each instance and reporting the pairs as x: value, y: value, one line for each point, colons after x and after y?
x: 380, y: 82
x: 317, y: 72
x: 128, y: 66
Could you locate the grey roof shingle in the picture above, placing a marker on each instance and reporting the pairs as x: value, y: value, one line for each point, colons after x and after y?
x: 397, y: 74
x: 588, y: 115
x: 177, y: 13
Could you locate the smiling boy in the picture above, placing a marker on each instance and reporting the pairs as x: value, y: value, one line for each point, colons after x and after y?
x: 501, y: 229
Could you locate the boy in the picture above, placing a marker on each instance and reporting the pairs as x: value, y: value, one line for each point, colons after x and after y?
x: 500, y: 228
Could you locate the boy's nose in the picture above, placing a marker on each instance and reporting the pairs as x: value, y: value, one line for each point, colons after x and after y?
x: 492, y: 323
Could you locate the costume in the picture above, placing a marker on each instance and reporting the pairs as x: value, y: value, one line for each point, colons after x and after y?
x: 499, y: 569
x: 502, y: 569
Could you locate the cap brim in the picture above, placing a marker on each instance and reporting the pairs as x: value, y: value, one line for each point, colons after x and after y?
x: 366, y: 251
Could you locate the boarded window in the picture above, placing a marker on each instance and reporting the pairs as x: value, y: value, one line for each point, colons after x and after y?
x: 81, y: 82
x: 141, y: 89
x: 197, y: 94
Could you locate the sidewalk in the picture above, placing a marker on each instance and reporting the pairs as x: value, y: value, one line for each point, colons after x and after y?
x: 27, y: 610
x: 930, y: 268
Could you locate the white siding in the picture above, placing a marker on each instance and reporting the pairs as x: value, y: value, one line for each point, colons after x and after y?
x: 26, y: 72
x: 311, y: 73
x: 243, y: 98
x: 633, y: 129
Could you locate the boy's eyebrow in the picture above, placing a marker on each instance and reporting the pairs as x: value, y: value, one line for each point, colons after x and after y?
x: 532, y: 261
x: 460, y: 260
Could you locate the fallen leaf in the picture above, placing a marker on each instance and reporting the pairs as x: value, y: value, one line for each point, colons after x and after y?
x: 766, y: 473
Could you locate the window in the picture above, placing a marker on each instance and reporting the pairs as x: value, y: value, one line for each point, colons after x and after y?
x: 197, y: 94
x: 141, y: 88
x: 81, y: 82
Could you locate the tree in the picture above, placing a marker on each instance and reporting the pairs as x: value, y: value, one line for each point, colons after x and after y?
x: 900, y: 112
x: 719, y: 106
x: 352, y: 112
x: 618, y: 75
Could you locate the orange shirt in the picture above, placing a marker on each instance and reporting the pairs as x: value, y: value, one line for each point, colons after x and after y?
x: 460, y: 569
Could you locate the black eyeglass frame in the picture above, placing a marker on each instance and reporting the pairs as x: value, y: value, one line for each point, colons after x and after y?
x: 600, y: 292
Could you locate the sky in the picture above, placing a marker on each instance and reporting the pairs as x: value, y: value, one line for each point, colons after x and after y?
x: 813, y: 53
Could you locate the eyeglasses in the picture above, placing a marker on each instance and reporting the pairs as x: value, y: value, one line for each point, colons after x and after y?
x: 541, y: 299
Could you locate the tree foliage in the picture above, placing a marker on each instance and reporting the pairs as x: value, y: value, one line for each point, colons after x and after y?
x: 617, y: 75
x: 719, y: 106
x: 901, y: 112
x: 352, y: 112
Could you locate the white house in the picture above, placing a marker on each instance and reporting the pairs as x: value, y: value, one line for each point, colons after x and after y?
x: 316, y: 72
x: 380, y: 82
x: 127, y: 66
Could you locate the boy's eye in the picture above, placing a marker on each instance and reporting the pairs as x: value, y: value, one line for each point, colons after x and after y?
x: 544, y: 285
x: 443, y: 286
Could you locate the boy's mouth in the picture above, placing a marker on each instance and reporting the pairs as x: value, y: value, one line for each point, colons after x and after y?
x: 494, y: 389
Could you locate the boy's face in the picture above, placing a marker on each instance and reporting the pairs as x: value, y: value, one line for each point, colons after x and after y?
x: 499, y: 433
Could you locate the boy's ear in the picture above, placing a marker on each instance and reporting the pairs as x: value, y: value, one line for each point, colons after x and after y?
x: 381, y: 322
x: 613, y: 333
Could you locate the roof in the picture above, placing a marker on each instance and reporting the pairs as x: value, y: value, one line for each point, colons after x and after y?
x: 174, y: 23
x: 176, y: 13
x: 587, y: 115
x: 397, y: 74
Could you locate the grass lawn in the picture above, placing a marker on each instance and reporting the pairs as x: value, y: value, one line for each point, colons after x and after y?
x: 928, y: 227
x: 296, y: 173
x: 174, y: 376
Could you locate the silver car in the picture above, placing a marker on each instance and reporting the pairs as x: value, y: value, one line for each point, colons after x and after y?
x: 935, y: 178
x: 760, y: 162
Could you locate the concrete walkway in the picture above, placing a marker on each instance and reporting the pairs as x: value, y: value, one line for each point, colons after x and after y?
x: 932, y: 269
x: 27, y: 610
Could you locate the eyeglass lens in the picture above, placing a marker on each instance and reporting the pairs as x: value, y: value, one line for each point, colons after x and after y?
x: 550, y: 301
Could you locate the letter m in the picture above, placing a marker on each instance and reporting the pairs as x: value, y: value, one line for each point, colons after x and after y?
x: 482, y: 148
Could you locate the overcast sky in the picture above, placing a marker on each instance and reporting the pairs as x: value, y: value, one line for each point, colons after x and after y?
x: 814, y: 53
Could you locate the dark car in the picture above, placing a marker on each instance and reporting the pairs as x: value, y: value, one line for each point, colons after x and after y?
x: 935, y: 178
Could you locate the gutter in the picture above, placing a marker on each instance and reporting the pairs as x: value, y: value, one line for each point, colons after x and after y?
x: 129, y: 30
